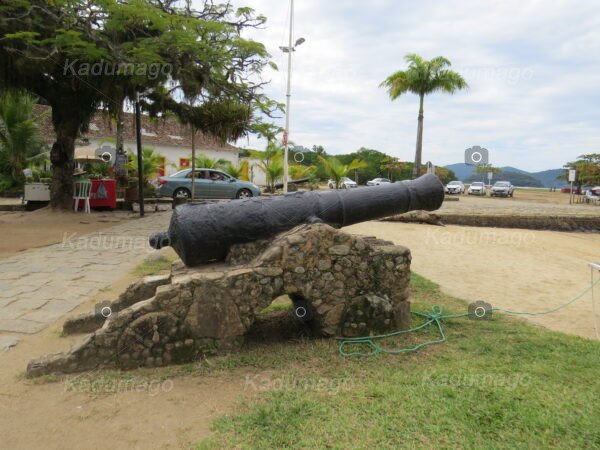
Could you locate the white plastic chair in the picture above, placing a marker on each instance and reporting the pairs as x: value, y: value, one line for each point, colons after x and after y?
x: 81, y: 191
x: 591, y: 198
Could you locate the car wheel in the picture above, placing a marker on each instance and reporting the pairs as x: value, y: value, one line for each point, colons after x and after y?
x: 182, y: 193
x: 244, y: 193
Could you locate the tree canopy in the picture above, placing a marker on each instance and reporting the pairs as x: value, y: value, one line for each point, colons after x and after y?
x: 80, y: 56
x: 422, y: 78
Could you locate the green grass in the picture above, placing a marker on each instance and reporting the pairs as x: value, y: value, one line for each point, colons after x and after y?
x: 494, y: 384
x: 154, y: 266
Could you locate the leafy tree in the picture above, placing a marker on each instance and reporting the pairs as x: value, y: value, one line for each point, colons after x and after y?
x: 337, y: 171
x: 484, y: 169
x: 445, y: 175
x: 588, y: 170
x: 19, y: 134
x: 391, y: 165
x: 423, y: 78
x: 61, y: 50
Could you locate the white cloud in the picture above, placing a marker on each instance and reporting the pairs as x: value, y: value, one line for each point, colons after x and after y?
x: 533, y: 68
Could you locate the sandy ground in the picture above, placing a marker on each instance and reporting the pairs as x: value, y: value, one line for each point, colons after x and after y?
x: 520, y: 270
x: 173, y: 413
x: 516, y: 269
x: 27, y: 230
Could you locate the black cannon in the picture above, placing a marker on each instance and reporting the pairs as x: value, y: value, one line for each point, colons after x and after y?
x: 204, y: 232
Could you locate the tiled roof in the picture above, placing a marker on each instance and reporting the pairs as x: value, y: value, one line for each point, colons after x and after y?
x: 168, y: 132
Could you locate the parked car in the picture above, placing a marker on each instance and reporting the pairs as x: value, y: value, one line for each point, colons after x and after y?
x: 209, y: 183
x: 502, y: 189
x: 377, y: 181
x: 476, y: 188
x: 345, y: 183
x: 455, y: 187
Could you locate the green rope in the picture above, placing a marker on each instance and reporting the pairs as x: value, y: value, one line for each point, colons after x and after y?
x: 434, y: 317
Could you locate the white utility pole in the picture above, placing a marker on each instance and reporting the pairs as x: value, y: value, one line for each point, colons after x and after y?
x: 286, y: 134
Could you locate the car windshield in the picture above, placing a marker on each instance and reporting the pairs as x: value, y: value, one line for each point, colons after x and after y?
x: 477, y: 184
x: 501, y: 184
x: 346, y: 179
x: 385, y: 180
x: 181, y: 173
x: 454, y: 183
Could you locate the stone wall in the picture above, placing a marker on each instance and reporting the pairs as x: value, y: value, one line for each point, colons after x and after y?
x: 340, y: 285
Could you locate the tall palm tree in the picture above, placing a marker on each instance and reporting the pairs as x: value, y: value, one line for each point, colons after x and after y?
x: 422, y: 78
x: 337, y: 171
x: 19, y: 133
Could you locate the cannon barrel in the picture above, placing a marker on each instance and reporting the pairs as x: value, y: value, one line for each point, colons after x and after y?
x: 204, y: 232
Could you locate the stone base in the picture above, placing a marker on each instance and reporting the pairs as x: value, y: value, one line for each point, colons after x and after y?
x: 341, y: 285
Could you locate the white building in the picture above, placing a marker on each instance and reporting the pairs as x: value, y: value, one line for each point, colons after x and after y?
x: 166, y: 136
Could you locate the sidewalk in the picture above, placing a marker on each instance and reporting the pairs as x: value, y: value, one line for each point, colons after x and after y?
x: 41, y: 285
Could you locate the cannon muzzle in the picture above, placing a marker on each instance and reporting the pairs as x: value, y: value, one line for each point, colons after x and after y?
x: 204, y: 232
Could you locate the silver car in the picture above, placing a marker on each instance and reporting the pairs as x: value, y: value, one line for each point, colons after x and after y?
x: 455, y: 187
x: 476, y: 188
x: 378, y: 181
x: 502, y: 189
x: 209, y: 183
x: 345, y: 183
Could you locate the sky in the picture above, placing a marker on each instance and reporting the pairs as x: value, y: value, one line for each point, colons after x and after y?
x: 533, y: 68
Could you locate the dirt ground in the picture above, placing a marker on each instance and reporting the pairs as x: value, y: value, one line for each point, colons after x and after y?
x: 523, y: 270
x: 520, y: 270
x: 43, y: 227
x: 155, y: 413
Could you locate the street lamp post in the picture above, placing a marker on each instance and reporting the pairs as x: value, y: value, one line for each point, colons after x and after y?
x: 286, y: 134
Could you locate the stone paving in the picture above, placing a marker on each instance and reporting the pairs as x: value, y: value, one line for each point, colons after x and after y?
x: 41, y: 285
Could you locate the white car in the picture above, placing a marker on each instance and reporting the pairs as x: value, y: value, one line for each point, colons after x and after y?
x: 378, y: 181
x: 476, y: 188
x: 455, y: 187
x: 345, y: 183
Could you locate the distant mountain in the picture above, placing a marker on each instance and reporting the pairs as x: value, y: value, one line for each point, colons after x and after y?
x: 514, y: 169
x: 518, y: 177
x: 548, y: 177
x: 461, y: 170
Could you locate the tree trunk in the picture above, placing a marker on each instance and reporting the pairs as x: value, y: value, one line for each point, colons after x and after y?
x: 66, y: 126
x: 419, y: 149
x: 120, y: 126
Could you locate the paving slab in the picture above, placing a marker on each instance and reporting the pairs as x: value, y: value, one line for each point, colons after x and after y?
x: 39, y: 286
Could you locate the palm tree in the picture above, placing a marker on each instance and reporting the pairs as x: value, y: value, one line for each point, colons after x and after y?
x: 299, y: 171
x: 271, y: 163
x: 19, y: 133
x: 239, y: 171
x: 337, y: 171
x: 151, y: 163
x: 422, y: 78
x: 204, y: 162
